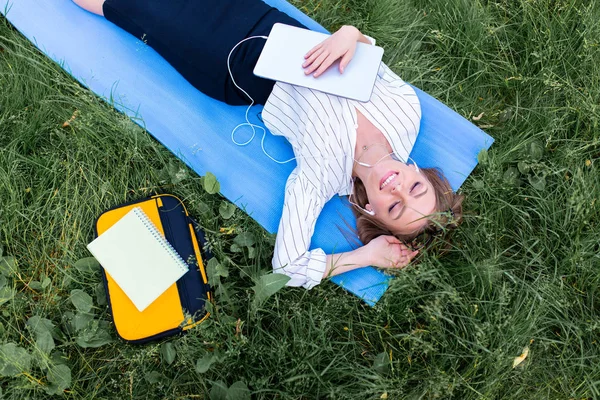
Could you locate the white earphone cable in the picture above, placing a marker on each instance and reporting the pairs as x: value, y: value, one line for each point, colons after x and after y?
x: 248, y: 123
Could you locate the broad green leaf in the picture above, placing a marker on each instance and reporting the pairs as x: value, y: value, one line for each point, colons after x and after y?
x: 37, y: 324
x: 523, y: 167
x: 35, y: 285
x: 478, y: 184
x: 41, y: 329
x: 45, y: 342
x: 269, y: 284
x: 208, y: 306
x: 211, y: 185
x: 168, y: 352
x: 87, y: 265
x: 81, y: 320
x: 13, y: 360
x: 3, y: 281
x: 6, y: 294
x: 218, y: 391
x: 211, y: 270
x: 222, y: 270
x: 46, y: 282
x: 69, y: 327
x: 536, y: 151
x: 52, y: 389
x: 60, y: 375
x: 100, y: 293
x: 511, y: 176
x: 538, y: 182
x: 8, y: 266
x: 81, y: 300
x: 94, y: 335
x: 203, y: 208
x: 226, y: 209
x: 244, y: 239
x: 234, y: 248
x: 381, y: 364
x: 98, y: 340
x: 238, y: 391
x: 203, y: 364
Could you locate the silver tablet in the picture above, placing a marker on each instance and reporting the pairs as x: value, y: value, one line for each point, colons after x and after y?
x: 283, y: 56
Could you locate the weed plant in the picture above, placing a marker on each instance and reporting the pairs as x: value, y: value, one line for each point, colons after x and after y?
x: 522, y: 274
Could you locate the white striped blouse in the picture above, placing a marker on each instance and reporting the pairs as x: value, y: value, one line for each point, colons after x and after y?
x: 322, y: 131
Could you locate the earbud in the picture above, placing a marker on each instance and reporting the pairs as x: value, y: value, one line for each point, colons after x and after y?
x: 370, y: 212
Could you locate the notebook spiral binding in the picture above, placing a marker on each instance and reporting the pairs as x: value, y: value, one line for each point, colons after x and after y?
x: 160, y: 238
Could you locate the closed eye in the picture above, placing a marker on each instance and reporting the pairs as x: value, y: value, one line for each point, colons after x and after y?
x: 400, y: 207
x: 418, y: 189
x: 393, y: 206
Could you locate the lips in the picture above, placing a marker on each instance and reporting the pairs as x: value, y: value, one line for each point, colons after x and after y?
x: 387, y: 179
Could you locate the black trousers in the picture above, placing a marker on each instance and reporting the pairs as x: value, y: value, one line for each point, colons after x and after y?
x: 196, y: 36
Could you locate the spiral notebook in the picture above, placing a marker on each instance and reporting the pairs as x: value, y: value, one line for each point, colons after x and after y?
x: 138, y: 258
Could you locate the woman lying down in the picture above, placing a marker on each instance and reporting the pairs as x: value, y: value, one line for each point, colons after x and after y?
x: 342, y: 147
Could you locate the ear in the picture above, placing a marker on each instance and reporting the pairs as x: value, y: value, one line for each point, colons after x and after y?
x: 368, y: 207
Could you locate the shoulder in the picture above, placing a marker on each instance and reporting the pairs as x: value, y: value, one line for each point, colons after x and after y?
x: 391, y: 88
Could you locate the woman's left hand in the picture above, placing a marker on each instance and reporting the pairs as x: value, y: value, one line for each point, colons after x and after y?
x: 388, y: 252
x: 342, y: 44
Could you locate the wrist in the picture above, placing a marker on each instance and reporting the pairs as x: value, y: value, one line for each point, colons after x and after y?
x: 353, y: 31
x: 363, y: 256
x: 344, y: 262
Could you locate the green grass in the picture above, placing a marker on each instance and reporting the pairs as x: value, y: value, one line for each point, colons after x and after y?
x: 523, y: 270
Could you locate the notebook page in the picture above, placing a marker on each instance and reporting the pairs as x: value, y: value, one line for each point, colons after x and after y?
x: 138, y: 258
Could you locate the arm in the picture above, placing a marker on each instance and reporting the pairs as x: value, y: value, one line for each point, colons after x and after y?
x: 342, y: 44
x: 382, y: 252
x: 302, y: 205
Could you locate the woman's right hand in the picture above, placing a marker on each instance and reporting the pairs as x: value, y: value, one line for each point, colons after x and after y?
x: 342, y: 44
x: 388, y: 252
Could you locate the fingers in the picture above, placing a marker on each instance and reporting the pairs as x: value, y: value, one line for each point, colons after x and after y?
x: 316, y: 63
x: 393, y: 240
x: 404, y: 259
x: 326, y: 64
x: 313, y: 50
x: 311, y: 56
x: 345, y: 61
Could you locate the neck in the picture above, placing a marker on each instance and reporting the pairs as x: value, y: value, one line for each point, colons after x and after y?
x: 371, y: 146
x: 370, y: 156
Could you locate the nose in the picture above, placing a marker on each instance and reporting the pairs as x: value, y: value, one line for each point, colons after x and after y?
x: 397, y: 187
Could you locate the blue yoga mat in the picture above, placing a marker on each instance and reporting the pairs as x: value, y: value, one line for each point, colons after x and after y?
x: 197, y: 129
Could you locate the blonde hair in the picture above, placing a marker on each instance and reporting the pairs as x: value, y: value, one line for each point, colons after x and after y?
x: 447, y: 217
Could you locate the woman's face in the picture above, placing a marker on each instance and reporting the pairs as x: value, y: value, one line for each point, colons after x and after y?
x: 400, y: 196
